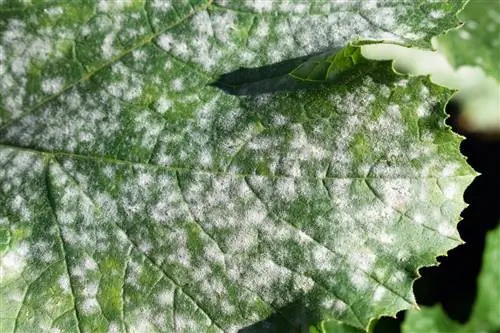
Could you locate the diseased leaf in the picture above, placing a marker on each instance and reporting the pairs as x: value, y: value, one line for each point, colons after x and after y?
x: 484, y: 316
x: 137, y: 197
x: 477, y: 42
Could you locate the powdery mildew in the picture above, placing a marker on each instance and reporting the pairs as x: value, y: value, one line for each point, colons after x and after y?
x: 149, y: 201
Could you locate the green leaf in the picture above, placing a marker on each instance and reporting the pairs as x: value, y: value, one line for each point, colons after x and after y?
x: 477, y: 43
x: 484, y: 316
x: 137, y: 197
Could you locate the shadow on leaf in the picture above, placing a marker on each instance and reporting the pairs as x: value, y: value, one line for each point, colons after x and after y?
x: 278, y: 76
x: 296, y: 317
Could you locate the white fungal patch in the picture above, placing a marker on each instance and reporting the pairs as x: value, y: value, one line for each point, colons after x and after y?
x: 107, y: 6
x: 52, y: 86
x: 286, y: 188
x: 166, y: 41
x: 359, y: 280
x: 398, y: 277
x: 163, y: 105
x: 446, y: 229
x: 54, y: 11
x: 13, y: 262
x: 303, y: 283
x: 141, y: 320
x: 224, y: 24
x: 64, y: 284
x: 321, y: 258
x: 422, y: 111
x: 386, y: 238
x: 259, y: 6
x: 450, y: 190
x: 90, y: 306
x: 113, y: 328
x: 437, y: 14
x: 162, y: 5
x: 379, y: 293
x: 177, y: 84
x: 364, y: 259
x: 89, y: 264
x: 107, y: 48
x: 450, y: 169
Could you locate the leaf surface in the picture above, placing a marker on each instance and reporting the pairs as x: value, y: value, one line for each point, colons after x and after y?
x: 137, y: 197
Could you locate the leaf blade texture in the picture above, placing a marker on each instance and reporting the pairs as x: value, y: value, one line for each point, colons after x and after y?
x: 138, y: 197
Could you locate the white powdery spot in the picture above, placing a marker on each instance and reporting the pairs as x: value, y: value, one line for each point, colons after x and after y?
x: 13, y: 261
x: 422, y: 111
x: 450, y: 190
x: 396, y: 192
x: 359, y: 280
x: 107, y: 49
x: 297, y: 8
x: 54, y: 11
x: 260, y: 5
x: 89, y: 264
x: 64, y: 284
x: 19, y: 204
x: 53, y: 85
x: 321, y: 258
x: 424, y: 93
x: 90, y: 289
x: 401, y: 83
x: 185, y: 324
x: 178, y: 84
x: 114, y: 328
x: 303, y: 283
x: 205, y: 159
x: 162, y: 5
x: 166, y: 41
x: 262, y: 30
x: 165, y: 298
x: 437, y: 14
x: 242, y: 241
x: 393, y: 110
x: 385, y: 238
x: 145, y: 247
x: 286, y: 188
x: 201, y: 24
x: 265, y: 274
x: 334, y: 304
x: 367, y: 5
x: 446, y: 229
x: 364, y: 259
x: 224, y: 25
x: 139, y: 55
x: 106, y: 5
x: 450, y: 169
x: 163, y: 105
x: 280, y: 120
x: 90, y: 306
x: 379, y: 293
x: 398, y: 277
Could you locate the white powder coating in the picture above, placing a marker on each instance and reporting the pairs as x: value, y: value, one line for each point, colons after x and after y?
x: 52, y: 86
x: 379, y: 293
x: 184, y: 205
x: 13, y: 262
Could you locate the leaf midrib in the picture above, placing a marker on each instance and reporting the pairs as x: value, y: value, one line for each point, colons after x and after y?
x: 112, y: 160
